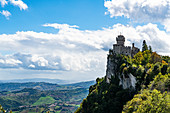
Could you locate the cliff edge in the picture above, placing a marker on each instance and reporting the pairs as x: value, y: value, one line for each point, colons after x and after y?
x: 137, y: 84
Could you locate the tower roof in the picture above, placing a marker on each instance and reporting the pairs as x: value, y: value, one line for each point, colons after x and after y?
x: 120, y: 38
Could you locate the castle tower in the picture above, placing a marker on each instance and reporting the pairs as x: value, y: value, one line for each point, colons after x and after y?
x: 134, y: 50
x: 120, y: 40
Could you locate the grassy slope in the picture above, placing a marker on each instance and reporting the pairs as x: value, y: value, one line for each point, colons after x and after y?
x: 44, y: 100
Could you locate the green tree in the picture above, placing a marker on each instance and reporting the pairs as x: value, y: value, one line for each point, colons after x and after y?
x: 1, y: 109
x: 144, y: 46
x: 150, y: 49
x: 160, y: 82
x: 148, y: 102
x: 166, y: 59
x: 138, y: 58
x: 155, y: 58
x: 146, y: 57
x: 152, y: 74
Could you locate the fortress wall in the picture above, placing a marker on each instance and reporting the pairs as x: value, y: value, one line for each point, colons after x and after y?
x: 134, y: 51
x: 126, y: 50
x: 117, y: 49
x: 122, y: 50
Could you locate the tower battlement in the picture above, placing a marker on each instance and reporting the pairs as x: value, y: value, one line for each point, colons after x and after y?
x: 119, y: 48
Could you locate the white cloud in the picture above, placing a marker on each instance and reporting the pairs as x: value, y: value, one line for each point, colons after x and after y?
x: 3, y: 2
x: 140, y: 10
x: 74, y: 49
x: 13, y: 61
x: 9, y: 62
x: 19, y: 3
x: 60, y: 26
x: 40, y: 61
x: 166, y: 23
x: 6, y: 13
x: 31, y: 66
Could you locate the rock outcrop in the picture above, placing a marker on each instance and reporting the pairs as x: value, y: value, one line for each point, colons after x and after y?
x: 113, y: 69
x: 127, y: 82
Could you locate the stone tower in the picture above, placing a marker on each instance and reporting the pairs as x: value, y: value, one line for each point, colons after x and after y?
x: 113, y: 60
x: 120, y: 48
x: 120, y: 40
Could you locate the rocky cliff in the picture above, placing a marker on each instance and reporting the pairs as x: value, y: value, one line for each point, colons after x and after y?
x: 113, y: 69
x: 146, y: 75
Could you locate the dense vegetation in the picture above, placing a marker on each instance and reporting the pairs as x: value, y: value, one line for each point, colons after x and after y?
x: 154, y: 99
x: 28, y: 99
x: 152, y: 73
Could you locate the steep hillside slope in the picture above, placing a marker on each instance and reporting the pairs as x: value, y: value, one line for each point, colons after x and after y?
x: 147, y: 76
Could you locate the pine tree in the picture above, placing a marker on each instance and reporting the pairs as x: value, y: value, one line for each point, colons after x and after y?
x: 150, y: 49
x: 144, y: 46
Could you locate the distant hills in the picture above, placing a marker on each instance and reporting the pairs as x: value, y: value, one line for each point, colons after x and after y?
x: 34, y: 85
x: 43, y: 86
x: 30, y: 100
x: 42, y: 97
x: 86, y: 84
x: 56, y: 81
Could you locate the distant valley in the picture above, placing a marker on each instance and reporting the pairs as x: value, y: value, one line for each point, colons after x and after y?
x: 42, y: 96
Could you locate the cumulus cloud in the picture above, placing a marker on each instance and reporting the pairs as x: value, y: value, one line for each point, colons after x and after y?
x: 140, y: 10
x: 6, y: 13
x: 3, y: 2
x: 9, y: 62
x: 63, y: 62
x: 19, y: 3
x: 74, y: 49
x: 166, y: 23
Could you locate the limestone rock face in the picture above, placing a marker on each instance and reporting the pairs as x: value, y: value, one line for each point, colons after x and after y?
x: 127, y: 82
x: 110, y: 68
x: 113, y: 65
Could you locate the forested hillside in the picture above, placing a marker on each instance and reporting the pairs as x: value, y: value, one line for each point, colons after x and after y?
x: 151, y: 92
x: 33, y: 100
x: 35, y: 85
x: 42, y: 97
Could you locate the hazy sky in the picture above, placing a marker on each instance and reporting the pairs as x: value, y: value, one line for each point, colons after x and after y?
x: 69, y: 39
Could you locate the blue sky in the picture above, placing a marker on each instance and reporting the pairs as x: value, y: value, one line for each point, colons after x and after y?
x: 69, y: 39
x: 87, y: 14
